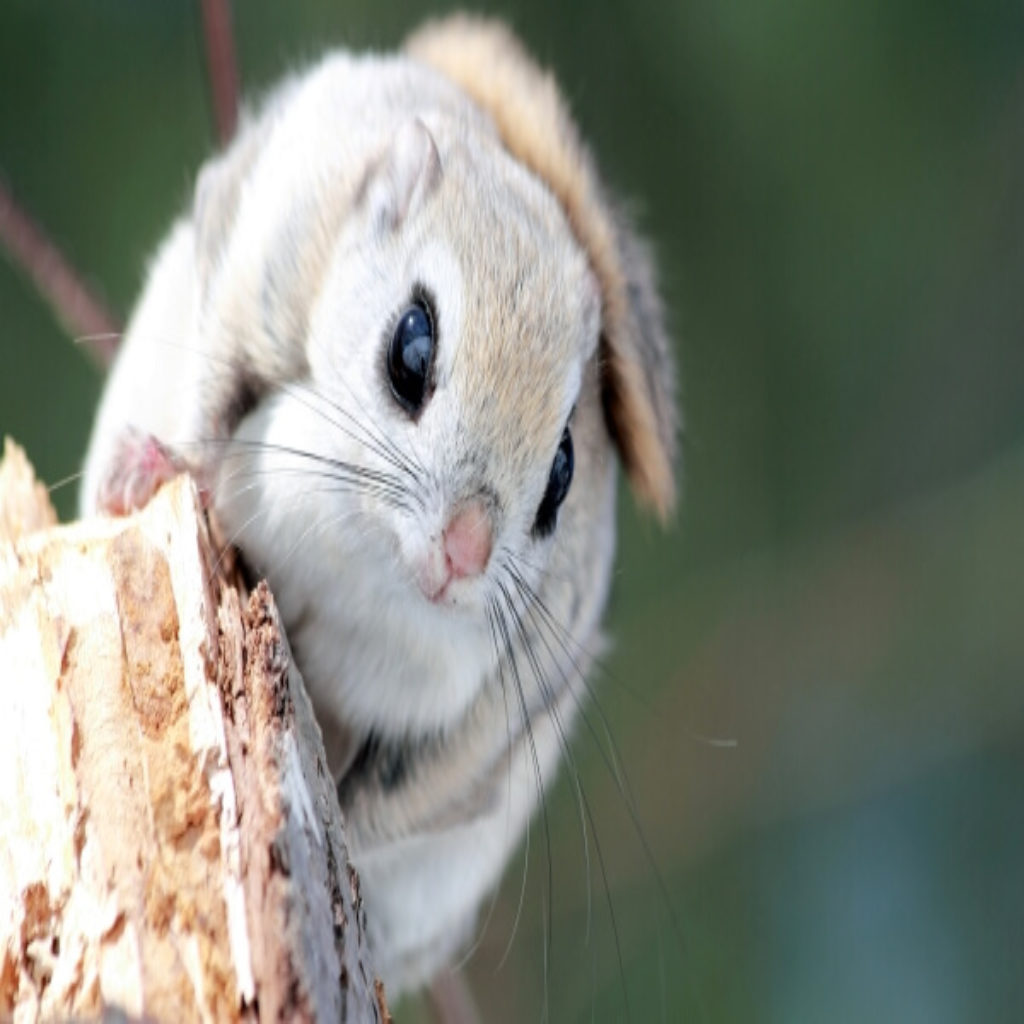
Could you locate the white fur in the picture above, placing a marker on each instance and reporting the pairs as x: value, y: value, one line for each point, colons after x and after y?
x: 464, y: 862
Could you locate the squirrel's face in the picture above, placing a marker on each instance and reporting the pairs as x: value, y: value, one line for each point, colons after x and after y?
x: 456, y: 323
x: 441, y: 340
x: 449, y: 439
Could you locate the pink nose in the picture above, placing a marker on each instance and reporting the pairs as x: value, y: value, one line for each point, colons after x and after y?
x: 467, y: 541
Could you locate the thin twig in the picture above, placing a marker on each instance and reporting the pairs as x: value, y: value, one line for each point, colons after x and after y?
x: 221, y: 66
x: 81, y: 312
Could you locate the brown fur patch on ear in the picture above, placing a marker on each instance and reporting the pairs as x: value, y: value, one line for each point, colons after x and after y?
x: 488, y: 62
x: 640, y: 382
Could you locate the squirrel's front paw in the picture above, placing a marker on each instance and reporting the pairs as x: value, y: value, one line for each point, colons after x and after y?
x: 140, y: 464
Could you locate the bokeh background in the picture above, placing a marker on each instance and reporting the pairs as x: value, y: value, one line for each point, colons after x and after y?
x: 817, y: 689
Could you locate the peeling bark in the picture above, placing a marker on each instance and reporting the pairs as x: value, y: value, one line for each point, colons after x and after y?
x: 173, y: 847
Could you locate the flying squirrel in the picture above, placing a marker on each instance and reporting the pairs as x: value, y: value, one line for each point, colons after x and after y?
x: 403, y: 337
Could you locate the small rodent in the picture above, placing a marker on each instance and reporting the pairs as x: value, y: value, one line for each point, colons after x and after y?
x: 399, y: 338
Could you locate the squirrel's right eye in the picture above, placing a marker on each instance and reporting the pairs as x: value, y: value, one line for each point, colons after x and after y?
x: 558, y: 487
x: 410, y: 356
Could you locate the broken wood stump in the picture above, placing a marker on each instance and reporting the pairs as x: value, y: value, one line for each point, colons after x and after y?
x: 172, y: 847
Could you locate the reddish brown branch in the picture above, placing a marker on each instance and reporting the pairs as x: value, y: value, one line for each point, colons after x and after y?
x: 220, y: 62
x: 80, y: 311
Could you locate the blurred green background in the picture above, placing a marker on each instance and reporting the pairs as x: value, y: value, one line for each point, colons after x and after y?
x: 817, y: 688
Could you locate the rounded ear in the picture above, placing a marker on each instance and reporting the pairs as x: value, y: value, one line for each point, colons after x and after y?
x: 488, y: 62
x: 638, y: 377
x: 408, y: 173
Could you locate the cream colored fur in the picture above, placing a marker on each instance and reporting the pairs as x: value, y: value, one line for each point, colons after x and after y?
x: 257, y: 352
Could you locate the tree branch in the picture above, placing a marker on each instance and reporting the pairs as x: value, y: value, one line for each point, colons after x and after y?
x: 81, y: 312
x: 221, y: 66
x: 173, y: 849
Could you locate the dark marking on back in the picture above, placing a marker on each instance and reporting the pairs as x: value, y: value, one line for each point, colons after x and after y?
x: 385, y: 763
x: 246, y: 391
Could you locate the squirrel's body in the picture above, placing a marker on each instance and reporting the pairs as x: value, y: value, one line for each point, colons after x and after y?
x: 440, y: 581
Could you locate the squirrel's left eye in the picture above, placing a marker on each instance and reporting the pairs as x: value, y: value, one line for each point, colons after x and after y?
x: 558, y: 487
x: 410, y: 355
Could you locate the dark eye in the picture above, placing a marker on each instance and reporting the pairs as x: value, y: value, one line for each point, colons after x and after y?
x: 558, y: 487
x: 409, y: 357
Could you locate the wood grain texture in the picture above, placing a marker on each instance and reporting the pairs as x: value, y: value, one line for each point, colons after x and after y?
x: 173, y: 845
